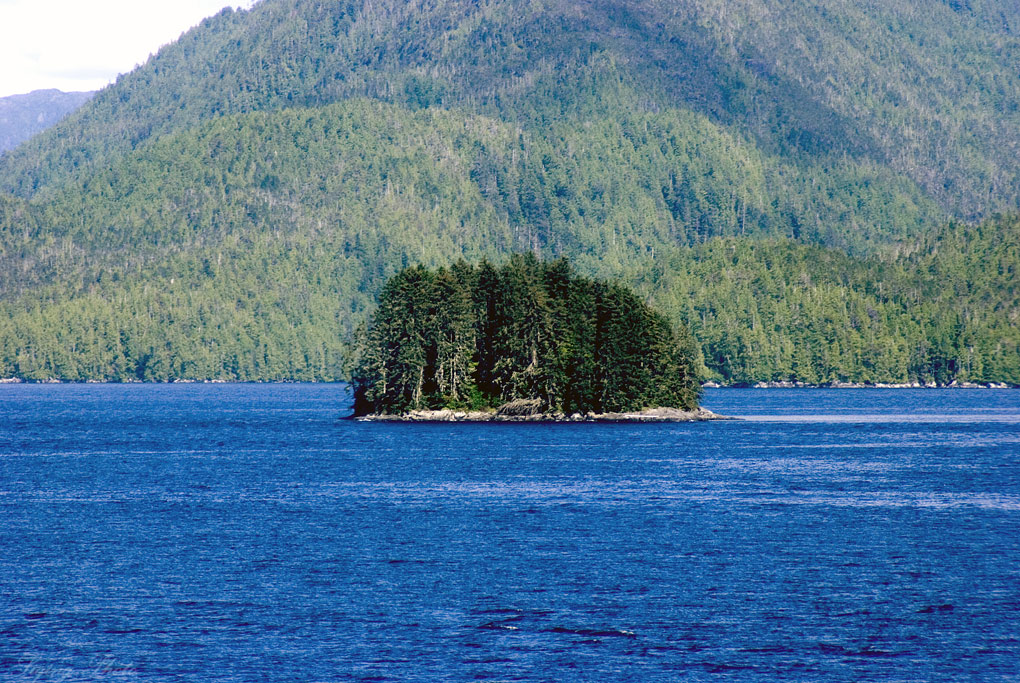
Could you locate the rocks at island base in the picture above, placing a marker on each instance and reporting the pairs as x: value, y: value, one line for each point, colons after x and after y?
x: 650, y: 415
x: 662, y: 415
x: 521, y: 407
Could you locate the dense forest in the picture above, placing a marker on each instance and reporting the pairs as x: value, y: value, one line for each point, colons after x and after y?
x: 814, y: 187
x: 947, y: 309
x: 920, y: 98
x: 485, y: 336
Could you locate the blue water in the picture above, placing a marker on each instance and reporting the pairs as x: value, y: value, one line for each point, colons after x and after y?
x: 245, y: 533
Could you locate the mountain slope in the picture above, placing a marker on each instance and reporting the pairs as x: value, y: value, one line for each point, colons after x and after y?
x: 924, y: 91
x: 396, y: 186
x: 230, y: 208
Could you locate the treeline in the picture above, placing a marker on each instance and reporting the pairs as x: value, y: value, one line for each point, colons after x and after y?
x: 272, y: 313
x: 475, y: 337
x: 944, y: 308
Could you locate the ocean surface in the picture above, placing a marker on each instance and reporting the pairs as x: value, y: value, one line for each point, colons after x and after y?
x: 248, y: 533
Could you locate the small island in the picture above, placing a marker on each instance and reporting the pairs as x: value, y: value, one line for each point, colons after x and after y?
x: 525, y: 341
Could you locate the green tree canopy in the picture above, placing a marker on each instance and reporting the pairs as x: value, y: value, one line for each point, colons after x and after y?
x: 480, y: 336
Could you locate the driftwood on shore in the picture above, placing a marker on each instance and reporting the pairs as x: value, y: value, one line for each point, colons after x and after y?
x: 517, y: 414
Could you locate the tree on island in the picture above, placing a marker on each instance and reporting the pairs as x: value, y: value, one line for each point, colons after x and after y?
x: 477, y: 337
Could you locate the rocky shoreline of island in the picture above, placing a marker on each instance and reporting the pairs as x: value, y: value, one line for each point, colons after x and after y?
x: 448, y: 415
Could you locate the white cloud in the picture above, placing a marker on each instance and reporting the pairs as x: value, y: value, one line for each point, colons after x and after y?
x: 75, y: 45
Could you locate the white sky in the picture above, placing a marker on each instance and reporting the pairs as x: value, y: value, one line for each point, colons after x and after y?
x: 84, y: 44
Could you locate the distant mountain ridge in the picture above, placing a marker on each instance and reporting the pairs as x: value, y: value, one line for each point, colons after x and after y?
x: 22, y: 116
x: 230, y: 208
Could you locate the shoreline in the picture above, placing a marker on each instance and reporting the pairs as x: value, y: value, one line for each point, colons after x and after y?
x: 651, y: 415
x: 711, y: 384
x: 787, y: 384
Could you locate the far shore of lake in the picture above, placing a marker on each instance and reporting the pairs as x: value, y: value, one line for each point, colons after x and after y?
x: 782, y: 384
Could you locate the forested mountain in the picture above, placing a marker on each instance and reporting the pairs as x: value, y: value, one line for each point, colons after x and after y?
x: 22, y: 116
x: 797, y: 179
x: 923, y: 92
